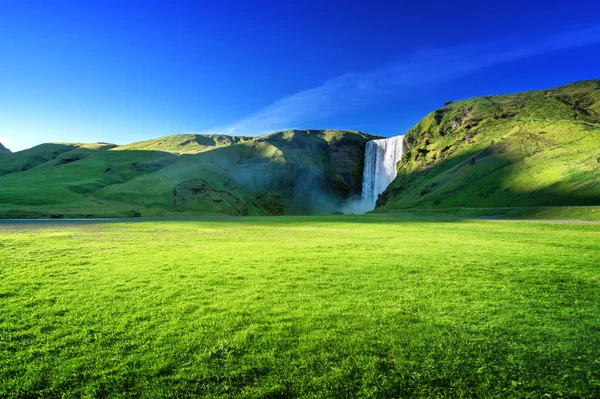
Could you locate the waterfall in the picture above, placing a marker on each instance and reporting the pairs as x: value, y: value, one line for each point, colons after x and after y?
x: 381, y: 158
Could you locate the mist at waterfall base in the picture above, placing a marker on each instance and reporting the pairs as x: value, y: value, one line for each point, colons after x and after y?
x: 381, y: 158
x: 311, y: 194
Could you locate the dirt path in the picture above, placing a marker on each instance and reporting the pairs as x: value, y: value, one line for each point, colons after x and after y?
x: 23, y: 224
x: 6, y: 224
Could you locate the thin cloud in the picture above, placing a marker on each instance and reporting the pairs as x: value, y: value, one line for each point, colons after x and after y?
x: 355, y: 90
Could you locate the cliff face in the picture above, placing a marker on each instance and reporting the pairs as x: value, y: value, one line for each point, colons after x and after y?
x: 346, y: 163
x: 535, y: 148
x: 314, y: 171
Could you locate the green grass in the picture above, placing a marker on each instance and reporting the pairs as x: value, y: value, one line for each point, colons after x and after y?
x: 365, y: 306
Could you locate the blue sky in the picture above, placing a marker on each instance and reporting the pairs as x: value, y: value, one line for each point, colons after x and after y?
x: 124, y: 71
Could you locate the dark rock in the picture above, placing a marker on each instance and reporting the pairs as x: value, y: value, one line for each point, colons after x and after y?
x: 271, y: 202
x: 64, y: 161
x: 344, y: 170
x: 446, y: 149
x: 151, y: 167
x: 383, y: 198
x: 136, y: 214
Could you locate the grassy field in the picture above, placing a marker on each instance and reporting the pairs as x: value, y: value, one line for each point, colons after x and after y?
x: 340, y: 306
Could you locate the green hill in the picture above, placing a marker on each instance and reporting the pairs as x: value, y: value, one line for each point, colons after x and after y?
x: 4, y: 151
x: 50, y: 154
x: 292, y: 172
x: 534, y: 149
x: 185, y: 143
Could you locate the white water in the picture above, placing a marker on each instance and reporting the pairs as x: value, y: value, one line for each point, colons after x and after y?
x: 381, y: 158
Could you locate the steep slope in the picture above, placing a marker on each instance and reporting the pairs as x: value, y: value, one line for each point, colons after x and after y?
x: 4, y: 151
x: 539, y: 148
x: 309, y: 171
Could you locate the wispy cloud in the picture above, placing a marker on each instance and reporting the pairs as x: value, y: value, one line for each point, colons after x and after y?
x: 354, y: 90
x: 5, y: 140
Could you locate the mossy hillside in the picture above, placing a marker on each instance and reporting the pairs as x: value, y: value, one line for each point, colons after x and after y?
x: 524, y: 150
x: 299, y: 167
x: 68, y: 189
x: 295, y: 171
x: 190, y: 185
x: 184, y: 143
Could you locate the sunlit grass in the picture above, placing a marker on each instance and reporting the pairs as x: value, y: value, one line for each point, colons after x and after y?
x: 370, y: 306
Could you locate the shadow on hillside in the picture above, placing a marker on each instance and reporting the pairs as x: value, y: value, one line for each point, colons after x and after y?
x: 487, y: 179
x: 297, y: 167
x: 312, y: 175
x: 325, y: 174
x: 307, y: 169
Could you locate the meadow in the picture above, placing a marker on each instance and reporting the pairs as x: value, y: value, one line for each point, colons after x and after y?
x: 312, y: 307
